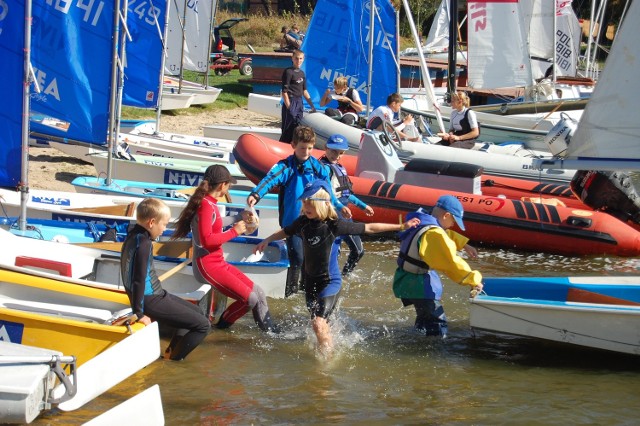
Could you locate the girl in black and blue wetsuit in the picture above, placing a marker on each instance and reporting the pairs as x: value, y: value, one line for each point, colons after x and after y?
x: 318, y: 226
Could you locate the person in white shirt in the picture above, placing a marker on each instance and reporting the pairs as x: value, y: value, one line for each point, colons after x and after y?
x: 389, y: 112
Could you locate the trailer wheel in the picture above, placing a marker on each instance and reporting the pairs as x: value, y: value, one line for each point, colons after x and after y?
x: 246, y: 68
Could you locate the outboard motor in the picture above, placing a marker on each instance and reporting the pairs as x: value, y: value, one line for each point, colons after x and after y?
x: 611, y: 192
x: 559, y: 136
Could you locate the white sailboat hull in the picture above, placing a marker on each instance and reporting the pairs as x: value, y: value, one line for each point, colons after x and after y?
x: 234, y: 132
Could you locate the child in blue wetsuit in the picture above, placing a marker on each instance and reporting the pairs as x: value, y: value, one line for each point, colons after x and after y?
x: 290, y: 176
x: 149, y: 301
x: 319, y: 226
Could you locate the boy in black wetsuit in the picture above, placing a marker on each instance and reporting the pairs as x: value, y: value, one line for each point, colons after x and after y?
x: 149, y: 301
x: 294, y: 87
x: 319, y: 226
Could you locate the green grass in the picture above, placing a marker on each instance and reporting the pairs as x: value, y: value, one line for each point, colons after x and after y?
x: 235, y: 94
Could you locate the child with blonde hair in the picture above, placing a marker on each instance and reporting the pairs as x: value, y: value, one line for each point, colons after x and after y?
x: 318, y: 226
x: 349, y: 103
x: 149, y: 301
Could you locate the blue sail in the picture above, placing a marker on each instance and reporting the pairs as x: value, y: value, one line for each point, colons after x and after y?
x: 337, y: 43
x: 143, y: 53
x: 71, y: 57
x: 12, y: 54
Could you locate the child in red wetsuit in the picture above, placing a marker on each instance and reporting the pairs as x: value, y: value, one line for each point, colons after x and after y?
x: 202, y: 217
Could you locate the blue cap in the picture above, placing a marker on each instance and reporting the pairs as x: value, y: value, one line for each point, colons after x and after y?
x: 452, y: 205
x: 311, y: 188
x: 337, y: 142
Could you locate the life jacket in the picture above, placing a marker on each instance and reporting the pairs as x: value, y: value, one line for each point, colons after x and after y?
x: 409, y: 258
x: 344, y: 189
x: 345, y: 107
x: 464, y: 123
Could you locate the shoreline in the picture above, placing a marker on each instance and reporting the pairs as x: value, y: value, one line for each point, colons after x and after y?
x: 51, y: 169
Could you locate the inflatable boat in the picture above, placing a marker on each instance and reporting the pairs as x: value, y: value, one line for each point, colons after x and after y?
x: 500, y: 212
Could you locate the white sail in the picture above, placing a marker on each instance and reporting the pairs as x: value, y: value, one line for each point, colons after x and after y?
x: 539, y: 17
x: 608, y: 134
x: 438, y: 38
x: 197, y: 32
x: 497, y: 45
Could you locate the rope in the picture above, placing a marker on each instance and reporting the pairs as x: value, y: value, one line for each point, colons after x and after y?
x: 563, y: 331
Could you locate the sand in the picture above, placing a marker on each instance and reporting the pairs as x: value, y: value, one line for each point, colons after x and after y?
x: 51, y: 169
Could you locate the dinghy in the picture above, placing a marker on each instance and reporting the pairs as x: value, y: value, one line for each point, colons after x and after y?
x: 597, y: 312
x: 53, y: 313
x: 493, y: 216
x: 508, y: 160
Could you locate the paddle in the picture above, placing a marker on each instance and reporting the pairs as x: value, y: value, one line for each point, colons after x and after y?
x: 144, y: 408
x: 112, y: 366
x: 174, y: 269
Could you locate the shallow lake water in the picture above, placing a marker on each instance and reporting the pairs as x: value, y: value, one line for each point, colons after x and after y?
x: 383, y: 372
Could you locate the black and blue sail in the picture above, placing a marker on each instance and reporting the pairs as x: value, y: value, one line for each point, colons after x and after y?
x: 12, y: 54
x: 71, y: 56
x: 337, y: 44
x: 143, y: 59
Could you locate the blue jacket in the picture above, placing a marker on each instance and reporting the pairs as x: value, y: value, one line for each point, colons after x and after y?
x: 292, y: 176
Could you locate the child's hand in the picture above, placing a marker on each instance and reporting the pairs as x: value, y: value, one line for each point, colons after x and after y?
x: 476, y: 290
x: 240, y: 227
x: 260, y: 247
x: 368, y: 211
x: 251, y: 200
x: 412, y: 223
x: 346, y: 212
x: 471, y: 251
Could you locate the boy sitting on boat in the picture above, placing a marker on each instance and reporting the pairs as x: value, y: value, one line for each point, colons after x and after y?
x: 390, y: 112
x: 149, y: 301
x: 349, y: 103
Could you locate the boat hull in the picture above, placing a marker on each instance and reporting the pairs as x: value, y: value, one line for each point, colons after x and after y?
x: 52, y: 314
x: 546, y: 309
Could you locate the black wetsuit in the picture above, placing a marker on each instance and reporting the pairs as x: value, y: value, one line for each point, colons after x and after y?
x: 294, y: 83
x: 323, y: 278
x: 148, y: 298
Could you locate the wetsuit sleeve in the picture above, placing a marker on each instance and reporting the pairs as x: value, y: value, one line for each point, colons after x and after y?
x: 212, y: 236
x: 345, y: 227
x: 276, y: 176
x: 440, y: 253
x: 139, y: 275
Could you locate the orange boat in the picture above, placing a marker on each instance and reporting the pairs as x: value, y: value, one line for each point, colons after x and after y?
x: 499, y: 211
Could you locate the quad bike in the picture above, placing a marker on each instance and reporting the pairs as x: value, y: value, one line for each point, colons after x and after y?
x: 224, y: 57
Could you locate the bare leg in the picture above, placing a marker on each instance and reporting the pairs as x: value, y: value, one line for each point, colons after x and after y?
x: 323, y: 334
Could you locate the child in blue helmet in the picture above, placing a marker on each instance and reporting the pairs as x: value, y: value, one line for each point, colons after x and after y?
x: 425, y: 251
x: 318, y: 227
x: 335, y: 148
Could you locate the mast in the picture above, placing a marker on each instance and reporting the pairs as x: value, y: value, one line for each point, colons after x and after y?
x: 184, y: 41
x: 162, y: 62
x: 24, y: 170
x: 111, y: 138
x: 372, y: 12
x: 453, y: 31
x: 214, y: 4
x: 423, y: 67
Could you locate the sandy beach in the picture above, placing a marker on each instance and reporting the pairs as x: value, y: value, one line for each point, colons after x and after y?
x: 51, y: 169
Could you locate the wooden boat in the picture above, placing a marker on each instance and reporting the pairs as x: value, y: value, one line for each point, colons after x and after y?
x: 176, y: 196
x: 509, y: 160
x: 53, y: 313
x: 597, y: 312
x: 493, y: 215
